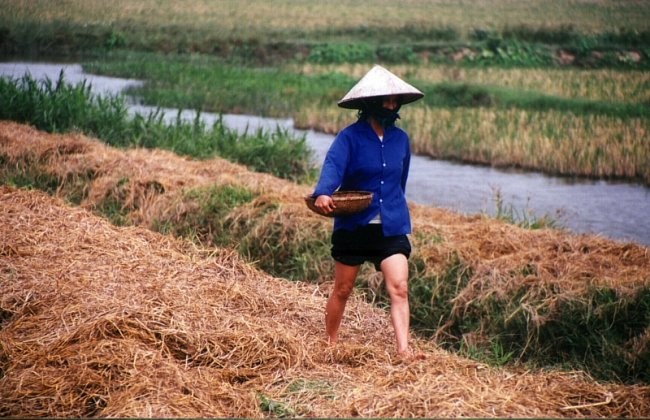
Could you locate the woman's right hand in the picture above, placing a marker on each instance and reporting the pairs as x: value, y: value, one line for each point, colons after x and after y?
x: 325, y: 203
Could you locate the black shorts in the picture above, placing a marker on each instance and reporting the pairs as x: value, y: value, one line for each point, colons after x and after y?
x: 367, y: 243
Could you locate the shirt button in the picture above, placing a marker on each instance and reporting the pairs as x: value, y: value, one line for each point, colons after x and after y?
x: 382, y: 182
x: 383, y: 164
x: 381, y: 200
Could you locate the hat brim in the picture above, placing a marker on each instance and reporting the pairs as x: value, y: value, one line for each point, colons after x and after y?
x: 357, y: 103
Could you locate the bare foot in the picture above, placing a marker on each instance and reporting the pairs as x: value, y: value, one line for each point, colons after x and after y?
x: 409, y: 355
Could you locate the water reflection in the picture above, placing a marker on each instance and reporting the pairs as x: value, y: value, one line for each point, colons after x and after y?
x: 614, y: 209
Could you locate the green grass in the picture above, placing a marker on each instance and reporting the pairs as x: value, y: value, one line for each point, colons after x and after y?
x: 201, y: 82
x: 595, y: 333
x: 205, y: 222
x: 452, y: 95
x: 524, y: 218
x: 193, y: 82
x: 275, y: 408
x: 56, y: 106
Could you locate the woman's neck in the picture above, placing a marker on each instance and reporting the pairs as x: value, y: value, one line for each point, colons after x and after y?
x: 379, y: 130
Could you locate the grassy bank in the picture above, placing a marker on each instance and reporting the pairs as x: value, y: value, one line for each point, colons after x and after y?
x: 57, y: 106
x: 561, y: 302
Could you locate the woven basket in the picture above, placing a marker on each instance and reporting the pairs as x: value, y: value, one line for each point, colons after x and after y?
x: 347, y: 202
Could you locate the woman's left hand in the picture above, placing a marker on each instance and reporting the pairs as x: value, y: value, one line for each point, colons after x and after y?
x: 325, y: 203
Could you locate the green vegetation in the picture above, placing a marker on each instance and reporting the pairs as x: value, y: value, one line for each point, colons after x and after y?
x: 523, y: 218
x: 595, y: 332
x: 206, y: 83
x: 571, y: 65
x: 485, y: 124
x: 275, y: 408
x: 510, y: 32
x: 62, y: 107
x: 56, y: 106
x: 205, y: 220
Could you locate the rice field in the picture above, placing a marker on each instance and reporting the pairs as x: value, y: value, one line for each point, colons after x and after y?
x: 553, y: 141
x: 593, y: 84
x: 283, y: 18
x: 560, y: 120
x: 559, y: 143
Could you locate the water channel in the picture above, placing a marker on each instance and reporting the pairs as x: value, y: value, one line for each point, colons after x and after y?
x: 617, y: 210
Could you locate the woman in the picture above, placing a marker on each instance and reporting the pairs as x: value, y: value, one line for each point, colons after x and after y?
x: 371, y: 154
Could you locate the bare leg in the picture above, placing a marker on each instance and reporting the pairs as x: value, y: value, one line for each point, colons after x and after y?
x: 395, y: 270
x: 344, y: 277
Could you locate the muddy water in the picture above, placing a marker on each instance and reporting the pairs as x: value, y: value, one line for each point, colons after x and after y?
x: 617, y: 210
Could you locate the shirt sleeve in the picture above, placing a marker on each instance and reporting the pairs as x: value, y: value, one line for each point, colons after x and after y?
x: 406, y: 164
x: 333, y: 170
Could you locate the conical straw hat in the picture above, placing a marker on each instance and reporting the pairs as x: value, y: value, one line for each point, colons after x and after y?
x: 379, y: 82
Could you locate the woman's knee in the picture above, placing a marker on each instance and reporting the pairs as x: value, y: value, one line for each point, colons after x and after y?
x: 343, y: 290
x: 395, y: 270
x: 344, y: 279
x: 397, y: 289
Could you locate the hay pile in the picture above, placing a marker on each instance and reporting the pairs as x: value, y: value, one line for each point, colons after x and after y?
x: 148, y: 183
x: 536, y: 279
x: 143, y: 180
x: 98, y: 320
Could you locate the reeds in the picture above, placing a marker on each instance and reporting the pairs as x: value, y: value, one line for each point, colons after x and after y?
x: 58, y: 106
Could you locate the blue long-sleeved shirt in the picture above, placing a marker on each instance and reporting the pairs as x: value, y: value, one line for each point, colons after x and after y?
x: 359, y: 160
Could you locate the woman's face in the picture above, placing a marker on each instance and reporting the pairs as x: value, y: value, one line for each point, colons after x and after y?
x: 390, y: 102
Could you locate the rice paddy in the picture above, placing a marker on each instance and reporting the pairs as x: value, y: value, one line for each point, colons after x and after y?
x: 286, y: 17
x: 569, y: 65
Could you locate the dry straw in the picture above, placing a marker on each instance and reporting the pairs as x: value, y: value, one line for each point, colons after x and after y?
x: 107, y: 321
x: 97, y: 320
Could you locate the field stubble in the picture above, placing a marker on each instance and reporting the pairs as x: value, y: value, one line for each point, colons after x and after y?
x: 105, y: 321
x: 264, y: 19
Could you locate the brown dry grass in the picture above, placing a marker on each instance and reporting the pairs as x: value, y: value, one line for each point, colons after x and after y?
x: 253, y: 18
x: 149, y: 183
x: 107, y: 321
